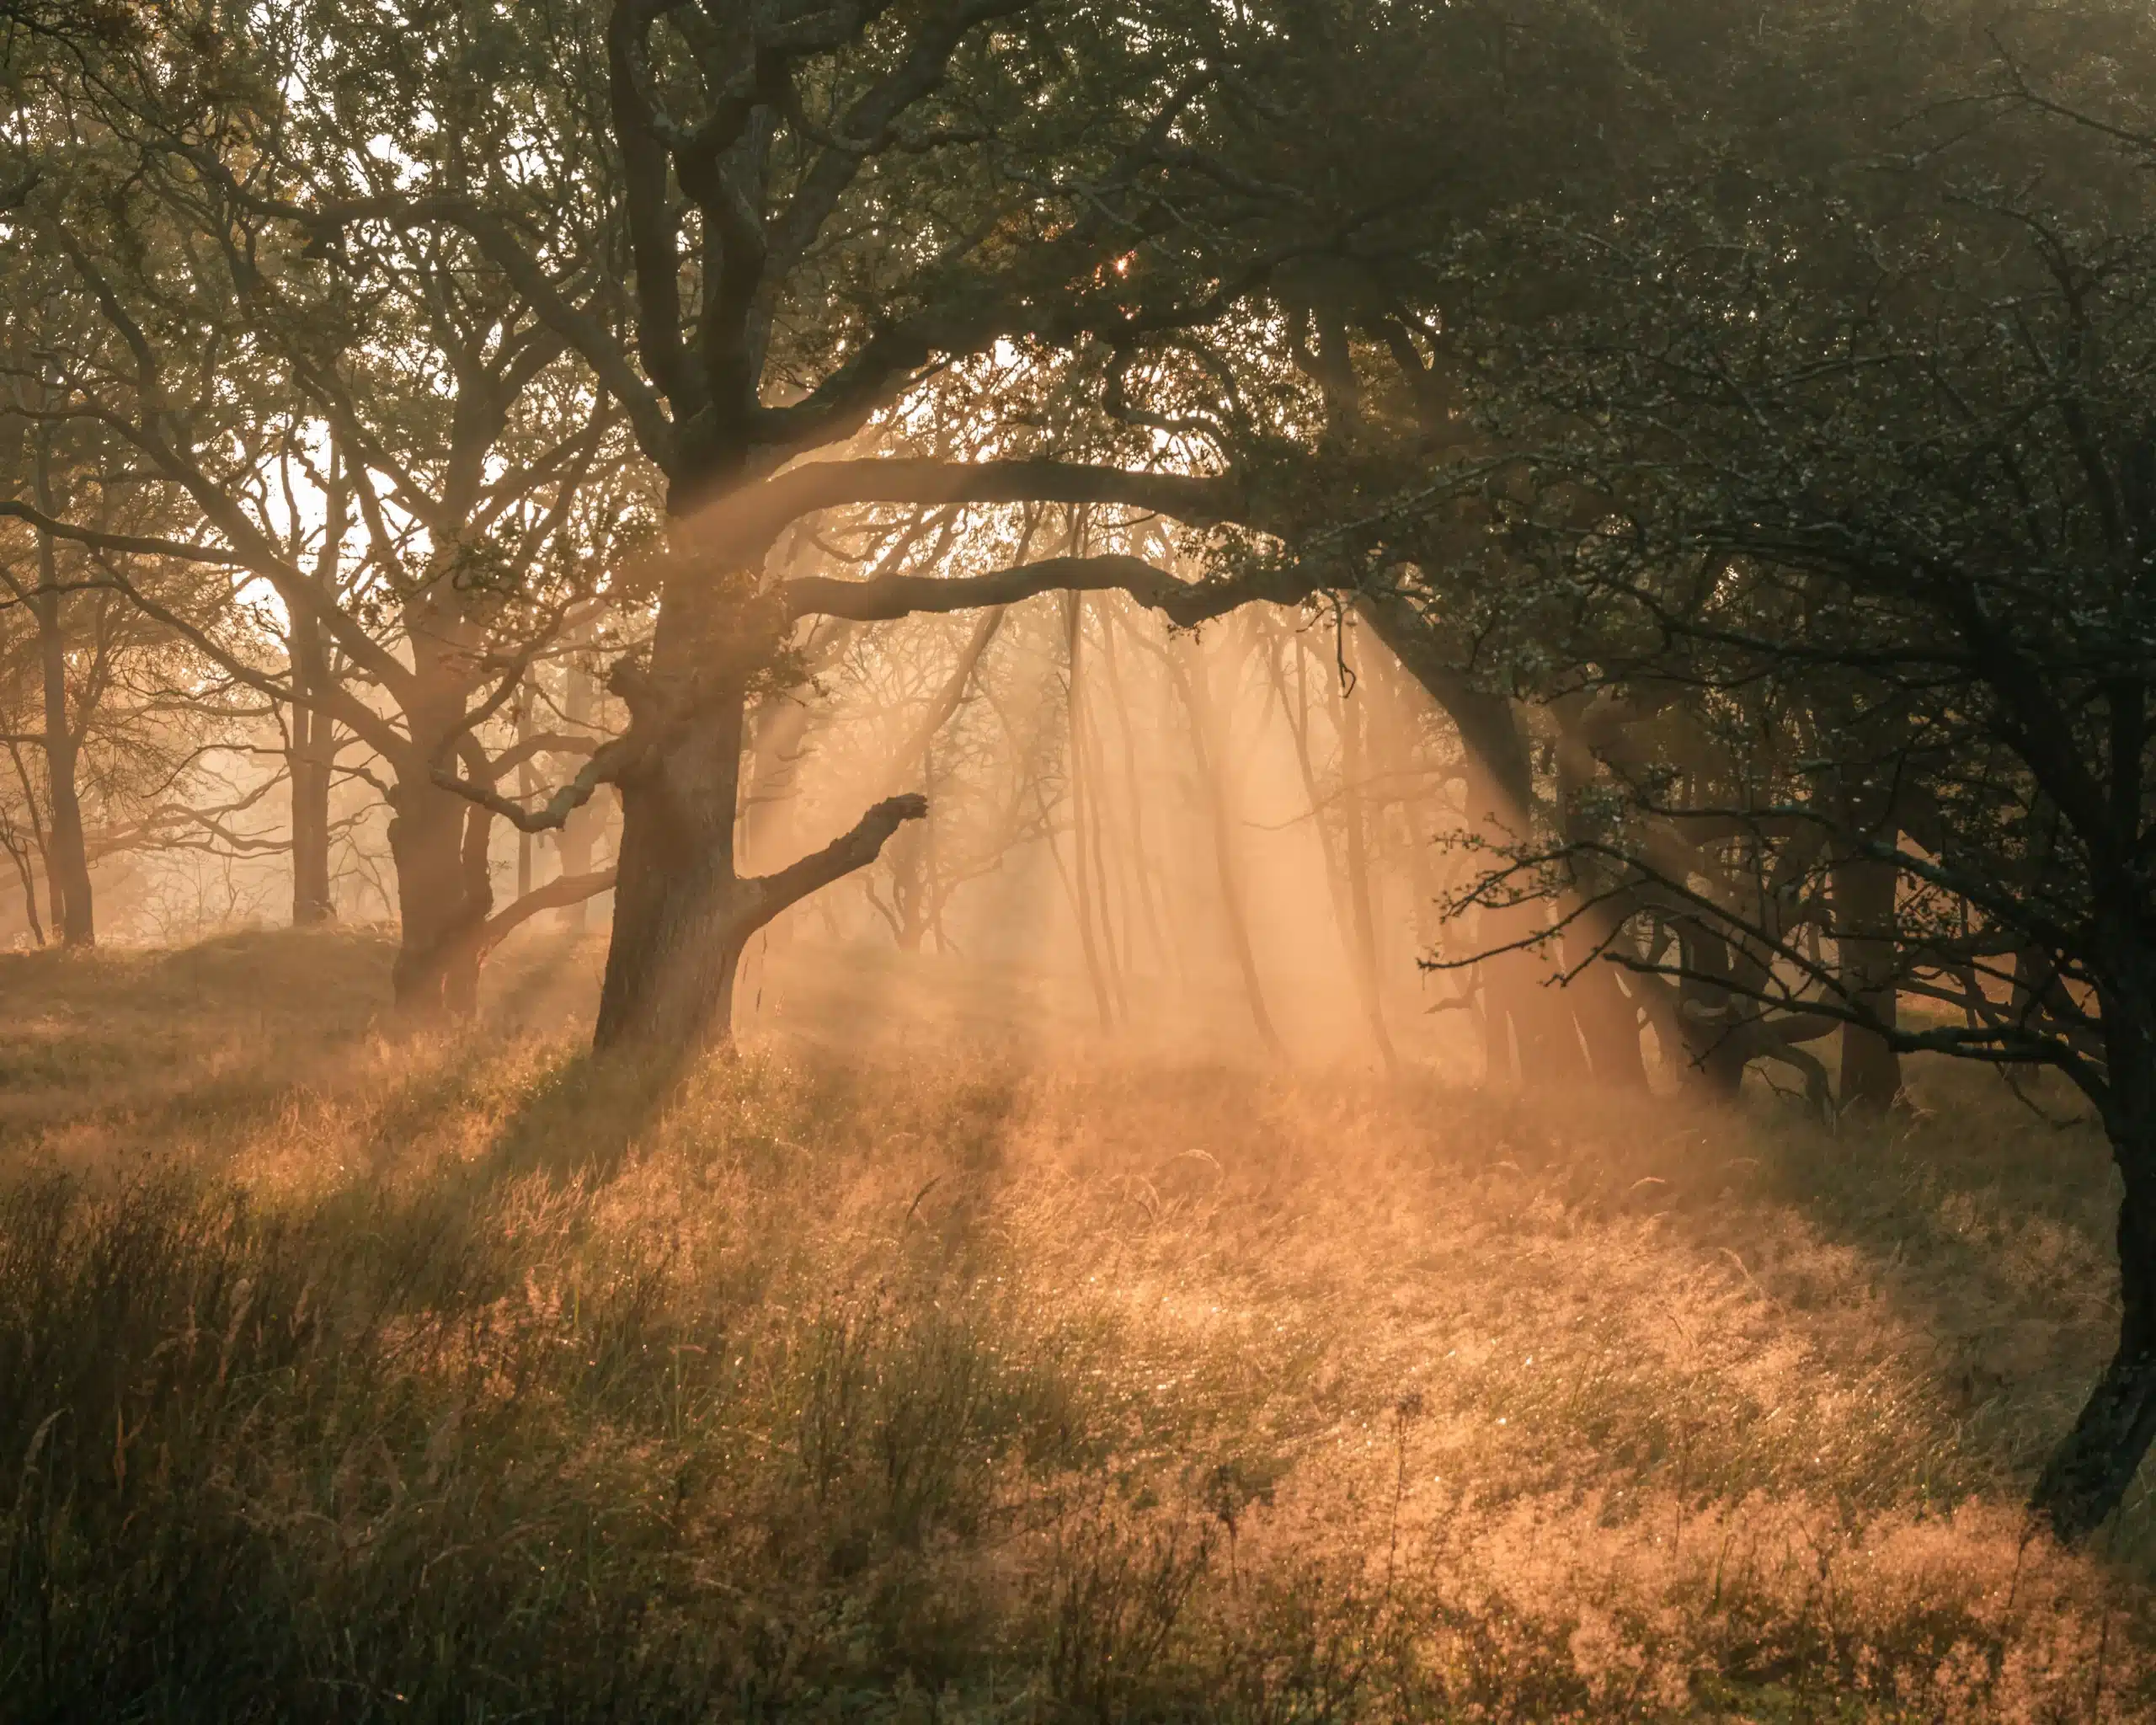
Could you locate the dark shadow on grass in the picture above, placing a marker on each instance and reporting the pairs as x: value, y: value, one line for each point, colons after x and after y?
x: 143, y: 1046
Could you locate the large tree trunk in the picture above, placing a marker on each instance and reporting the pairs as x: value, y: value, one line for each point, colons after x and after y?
x: 443, y: 901
x: 440, y: 841
x: 1864, y: 903
x: 683, y: 913
x: 2088, y: 1474
x: 678, y: 927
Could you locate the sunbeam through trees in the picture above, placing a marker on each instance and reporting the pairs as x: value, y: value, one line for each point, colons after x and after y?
x: 1000, y: 860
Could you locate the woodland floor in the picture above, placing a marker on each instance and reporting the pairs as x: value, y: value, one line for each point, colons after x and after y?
x: 923, y: 1376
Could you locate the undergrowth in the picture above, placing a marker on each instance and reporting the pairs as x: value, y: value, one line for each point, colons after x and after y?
x: 346, y: 1378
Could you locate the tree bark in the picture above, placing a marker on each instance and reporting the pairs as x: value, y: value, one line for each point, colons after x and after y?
x: 68, y: 858
x: 67, y: 855
x: 313, y: 754
x: 440, y: 841
x: 683, y: 913
x: 578, y: 838
x: 677, y: 934
x: 1864, y: 892
x: 436, y: 971
x: 2087, y: 1476
x: 308, y: 762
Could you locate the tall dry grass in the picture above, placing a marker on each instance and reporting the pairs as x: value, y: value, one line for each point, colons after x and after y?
x: 350, y: 1378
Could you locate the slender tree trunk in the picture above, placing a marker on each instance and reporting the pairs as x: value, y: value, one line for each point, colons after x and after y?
x: 1110, y: 884
x: 1609, y: 1018
x: 308, y: 762
x: 20, y: 855
x: 526, y: 783
x: 313, y: 754
x: 462, y: 962
x: 1207, y: 740
x: 38, y: 844
x: 1165, y: 953
x: 577, y: 839
x: 1352, y: 768
x: 68, y: 854
x: 67, y: 860
x: 1093, y: 904
x: 1864, y: 901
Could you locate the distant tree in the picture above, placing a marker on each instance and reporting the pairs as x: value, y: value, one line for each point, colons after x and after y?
x: 371, y: 425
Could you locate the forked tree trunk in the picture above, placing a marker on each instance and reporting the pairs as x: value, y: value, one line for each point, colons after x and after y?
x: 1608, y: 1017
x: 679, y: 925
x: 683, y: 913
x: 20, y: 855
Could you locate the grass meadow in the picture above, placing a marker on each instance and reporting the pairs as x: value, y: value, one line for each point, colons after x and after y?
x: 348, y: 1376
